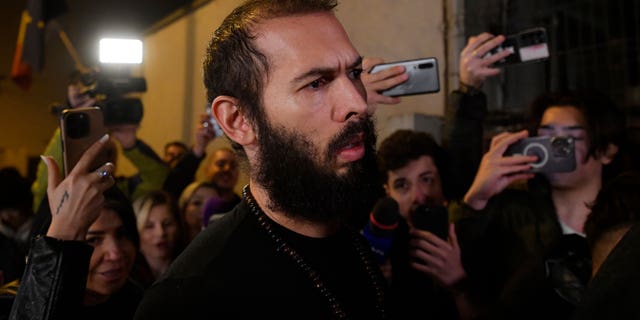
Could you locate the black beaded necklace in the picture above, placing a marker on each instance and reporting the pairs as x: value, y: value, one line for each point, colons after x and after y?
x: 281, y: 246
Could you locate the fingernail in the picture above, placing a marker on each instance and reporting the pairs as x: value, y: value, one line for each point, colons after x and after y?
x: 44, y: 159
x: 104, y: 138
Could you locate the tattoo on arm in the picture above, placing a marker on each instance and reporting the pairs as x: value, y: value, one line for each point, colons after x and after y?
x: 65, y: 196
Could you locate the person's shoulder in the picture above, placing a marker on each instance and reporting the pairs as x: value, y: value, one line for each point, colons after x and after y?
x: 205, y: 249
x: 196, y: 275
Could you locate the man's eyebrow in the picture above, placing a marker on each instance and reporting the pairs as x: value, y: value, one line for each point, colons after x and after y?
x: 574, y: 127
x: 322, y: 70
x: 95, y: 233
x: 356, y: 64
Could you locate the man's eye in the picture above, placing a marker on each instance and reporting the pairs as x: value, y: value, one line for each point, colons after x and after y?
x: 317, y: 83
x: 401, y: 187
x: 355, y: 73
x: 427, y: 180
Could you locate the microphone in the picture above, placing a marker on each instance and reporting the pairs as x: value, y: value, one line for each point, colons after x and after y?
x: 383, y: 220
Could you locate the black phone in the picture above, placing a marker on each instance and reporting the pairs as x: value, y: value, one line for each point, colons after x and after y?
x: 79, y: 129
x: 555, y: 154
x: 423, y: 77
x: 530, y: 45
x: 434, y: 219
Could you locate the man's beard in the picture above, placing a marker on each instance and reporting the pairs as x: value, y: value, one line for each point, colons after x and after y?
x: 304, y: 184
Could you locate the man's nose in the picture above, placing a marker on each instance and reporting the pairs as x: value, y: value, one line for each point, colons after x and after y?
x: 350, y: 99
x: 420, y: 194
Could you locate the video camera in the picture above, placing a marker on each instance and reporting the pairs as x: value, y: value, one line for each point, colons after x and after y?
x: 110, y: 93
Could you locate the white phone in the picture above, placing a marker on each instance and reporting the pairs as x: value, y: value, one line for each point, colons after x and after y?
x: 423, y: 77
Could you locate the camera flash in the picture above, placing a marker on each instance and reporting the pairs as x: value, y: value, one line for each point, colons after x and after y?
x: 120, y: 50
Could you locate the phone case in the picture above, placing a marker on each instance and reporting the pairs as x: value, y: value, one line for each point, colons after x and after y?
x: 527, y: 46
x: 423, y: 77
x: 79, y: 129
x: 555, y: 154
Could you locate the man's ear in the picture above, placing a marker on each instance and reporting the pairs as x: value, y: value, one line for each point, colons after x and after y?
x: 232, y: 121
x: 609, y: 154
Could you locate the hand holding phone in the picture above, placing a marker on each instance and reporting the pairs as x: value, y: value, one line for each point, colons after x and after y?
x: 375, y: 83
x: 423, y: 77
x: 475, y: 65
x: 75, y: 201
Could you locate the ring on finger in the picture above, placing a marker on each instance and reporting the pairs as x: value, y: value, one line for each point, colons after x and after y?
x: 102, y: 173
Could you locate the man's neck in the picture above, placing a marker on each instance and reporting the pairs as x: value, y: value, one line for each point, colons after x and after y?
x: 297, y: 225
x: 571, y: 204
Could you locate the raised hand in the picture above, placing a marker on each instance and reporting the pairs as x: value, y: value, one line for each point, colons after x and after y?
x: 475, y: 66
x: 76, y: 201
x: 496, y: 171
x: 379, y: 81
x: 436, y: 257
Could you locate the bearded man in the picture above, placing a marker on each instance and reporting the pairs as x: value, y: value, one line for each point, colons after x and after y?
x: 284, y: 83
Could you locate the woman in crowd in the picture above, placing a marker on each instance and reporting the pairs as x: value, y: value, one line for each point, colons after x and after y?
x: 191, y: 203
x: 159, y: 226
x: 79, y: 265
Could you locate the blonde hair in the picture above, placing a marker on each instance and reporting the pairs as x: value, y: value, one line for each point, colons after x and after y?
x: 188, y: 192
x: 143, y: 205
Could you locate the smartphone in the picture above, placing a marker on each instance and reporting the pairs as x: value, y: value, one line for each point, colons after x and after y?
x: 423, y: 77
x: 79, y: 129
x: 555, y: 154
x: 434, y: 219
x: 530, y: 45
x: 212, y: 122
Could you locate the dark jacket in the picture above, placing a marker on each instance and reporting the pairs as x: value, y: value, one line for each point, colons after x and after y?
x: 518, y: 262
x: 54, y: 281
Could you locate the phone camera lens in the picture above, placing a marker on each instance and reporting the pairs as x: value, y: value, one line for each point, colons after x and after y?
x: 561, y: 146
x: 77, y: 125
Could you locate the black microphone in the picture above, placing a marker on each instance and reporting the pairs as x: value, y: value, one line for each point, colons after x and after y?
x: 383, y: 220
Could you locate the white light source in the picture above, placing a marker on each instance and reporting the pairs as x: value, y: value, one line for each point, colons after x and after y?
x: 120, y: 50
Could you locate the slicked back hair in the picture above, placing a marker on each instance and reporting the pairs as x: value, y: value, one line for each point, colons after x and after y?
x: 234, y: 66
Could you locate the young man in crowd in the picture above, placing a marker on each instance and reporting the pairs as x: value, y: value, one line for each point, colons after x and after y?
x: 524, y: 248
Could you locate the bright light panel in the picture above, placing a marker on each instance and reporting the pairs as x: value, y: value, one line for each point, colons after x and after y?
x: 120, y: 50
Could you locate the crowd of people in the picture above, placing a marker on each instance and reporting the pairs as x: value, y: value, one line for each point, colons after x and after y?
x: 297, y: 105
